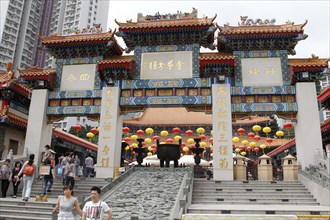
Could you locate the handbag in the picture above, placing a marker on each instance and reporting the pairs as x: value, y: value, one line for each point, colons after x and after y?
x: 60, y: 170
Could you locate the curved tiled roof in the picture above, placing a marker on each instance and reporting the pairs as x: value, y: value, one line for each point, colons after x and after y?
x: 309, y: 62
x: 21, y: 88
x: 117, y: 60
x: 180, y: 116
x: 325, y: 94
x: 325, y: 125
x: 216, y: 56
x: 17, y: 120
x: 193, y: 22
x: 36, y: 72
x: 261, y: 29
x: 52, y: 40
x: 74, y: 139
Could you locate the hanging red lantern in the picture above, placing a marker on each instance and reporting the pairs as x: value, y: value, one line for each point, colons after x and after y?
x: 256, y: 149
x: 211, y: 150
x: 269, y: 140
x: 202, y: 137
x: 125, y: 130
x: 192, y: 146
x: 153, y: 146
x: 169, y: 140
x: 143, y: 143
x: 127, y: 139
x: 176, y: 130
x: 183, y: 144
x: 241, y: 147
x: 211, y: 140
x: 241, y: 131
x: 251, y: 135
x: 77, y: 128
x: 248, y: 148
x: 154, y: 138
x: 140, y: 132
x: 94, y: 130
x: 189, y: 132
x: 287, y: 125
x: 257, y: 138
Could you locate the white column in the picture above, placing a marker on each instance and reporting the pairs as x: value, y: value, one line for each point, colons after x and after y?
x: 222, y: 133
x: 307, y: 130
x: 108, y: 143
x: 38, y: 133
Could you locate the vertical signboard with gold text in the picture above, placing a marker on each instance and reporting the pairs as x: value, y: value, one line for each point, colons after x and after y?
x: 222, y: 132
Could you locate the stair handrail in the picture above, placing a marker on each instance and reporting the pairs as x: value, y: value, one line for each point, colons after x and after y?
x: 316, y: 175
x: 14, y: 158
x: 183, y: 198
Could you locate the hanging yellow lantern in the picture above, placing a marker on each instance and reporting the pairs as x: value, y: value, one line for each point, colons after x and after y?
x: 149, y: 148
x: 148, y: 140
x: 211, y: 154
x: 134, y: 137
x: 211, y: 146
x: 177, y: 138
x: 200, y: 130
x: 279, y: 133
x: 149, y: 154
x: 266, y: 130
x: 190, y: 141
x: 237, y: 150
x: 256, y: 128
x: 245, y: 142
x: 90, y: 135
x: 134, y: 145
x: 149, y: 131
x: 127, y: 148
x: 212, y: 132
x: 235, y: 139
x: 164, y: 133
x: 263, y: 146
x: 162, y: 142
x: 202, y: 144
x: 185, y: 149
x: 243, y: 153
x: 252, y: 144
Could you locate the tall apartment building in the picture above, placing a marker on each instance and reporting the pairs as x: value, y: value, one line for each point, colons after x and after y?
x: 68, y: 15
x: 20, y: 31
x: 26, y: 20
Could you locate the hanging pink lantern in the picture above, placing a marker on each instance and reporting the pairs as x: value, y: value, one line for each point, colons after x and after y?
x: 169, y: 140
x: 241, y: 147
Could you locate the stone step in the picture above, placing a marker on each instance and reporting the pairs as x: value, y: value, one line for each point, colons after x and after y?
x: 33, y: 213
x: 199, y: 190
x: 27, y: 207
x: 283, y: 193
x: 247, y: 182
x: 258, y: 201
x: 253, y: 196
x: 258, y: 209
x: 247, y: 186
x: 30, y: 204
x: 16, y: 217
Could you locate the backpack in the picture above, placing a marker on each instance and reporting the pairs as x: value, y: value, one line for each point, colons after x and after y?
x: 28, y: 169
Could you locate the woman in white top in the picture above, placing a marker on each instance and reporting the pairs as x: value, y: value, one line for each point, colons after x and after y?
x: 29, y: 172
x: 67, y: 204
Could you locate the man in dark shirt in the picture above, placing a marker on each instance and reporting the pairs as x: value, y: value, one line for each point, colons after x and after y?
x: 48, y: 178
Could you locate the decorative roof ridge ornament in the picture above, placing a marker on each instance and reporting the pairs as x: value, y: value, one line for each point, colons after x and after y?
x: 250, y: 22
x: 161, y: 17
x: 313, y: 56
x: 96, y: 29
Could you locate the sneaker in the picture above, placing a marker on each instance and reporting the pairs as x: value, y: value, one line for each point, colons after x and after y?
x: 13, y: 197
x: 49, y: 190
x: 26, y: 199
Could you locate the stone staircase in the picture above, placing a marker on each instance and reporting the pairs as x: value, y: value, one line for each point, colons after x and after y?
x: 253, y: 197
x: 11, y: 208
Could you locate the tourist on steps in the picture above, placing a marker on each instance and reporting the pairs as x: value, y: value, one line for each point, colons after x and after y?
x: 14, y: 178
x: 96, y: 209
x: 48, y: 179
x: 5, y: 173
x: 29, y: 172
x: 66, y: 204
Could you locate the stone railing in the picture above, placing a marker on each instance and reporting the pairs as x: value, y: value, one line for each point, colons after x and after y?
x: 183, y: 199
x: 316, y: 175
x: 14, y: 158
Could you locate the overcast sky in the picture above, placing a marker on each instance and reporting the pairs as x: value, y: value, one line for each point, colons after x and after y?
x: 316, y: 12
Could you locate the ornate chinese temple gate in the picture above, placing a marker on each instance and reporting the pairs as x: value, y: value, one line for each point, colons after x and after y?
x: 251, y: 73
